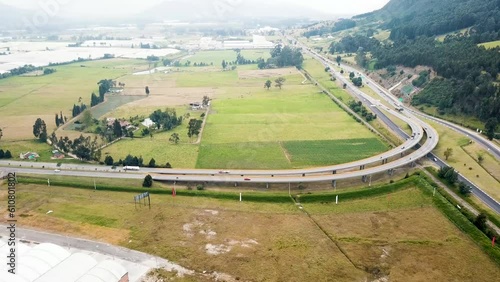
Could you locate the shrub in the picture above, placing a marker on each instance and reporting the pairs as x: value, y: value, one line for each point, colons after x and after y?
x: 148, y: 181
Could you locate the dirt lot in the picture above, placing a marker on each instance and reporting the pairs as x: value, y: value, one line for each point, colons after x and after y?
x: 249, y: 74
x: 21, y: 127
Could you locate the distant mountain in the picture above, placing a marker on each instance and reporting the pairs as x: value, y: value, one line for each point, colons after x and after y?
x: 214, y: 10
x: 12, y: 17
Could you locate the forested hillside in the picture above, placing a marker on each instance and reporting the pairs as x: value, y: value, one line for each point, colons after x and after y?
x: 468, y: 75
x: 412, y: 18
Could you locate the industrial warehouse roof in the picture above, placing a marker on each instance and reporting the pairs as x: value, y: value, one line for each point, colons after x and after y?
x: 49, y: 262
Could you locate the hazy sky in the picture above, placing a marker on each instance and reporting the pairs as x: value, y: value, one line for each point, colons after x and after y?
x: 125, y: 7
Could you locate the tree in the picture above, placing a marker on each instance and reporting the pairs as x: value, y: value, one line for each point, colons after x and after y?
x: 1, y: 134
x: 194, y: 127
x: 279, y: 82
x: 147, y: 90
x: 168, y: 165
x: 117, y: 129
x: 104, y: 86
x: 94, y: 100
x: 268, y: 84
x: 338, y: 59
x: 174, y: 138
x: 351, y: 75
x: 57, y: 120
x: 206, y: 101
x: 8, y: 155
x: 87, y: 118
x: 148, y: 181
x: 152, y: 163
x: 480, y: 221
x: 2, y: 154
x: 109, y: 160
x: 448, y: 153
x: 224, y: 64
x: 464, y: 189
x: 480, y: 158
x: 40, y: 130
x: 490, y: 127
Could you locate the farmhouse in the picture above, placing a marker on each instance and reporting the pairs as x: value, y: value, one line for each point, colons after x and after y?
x: 196, y: 106
x: 123, y: 123
x: 148, y: 122
x: 56, y: 155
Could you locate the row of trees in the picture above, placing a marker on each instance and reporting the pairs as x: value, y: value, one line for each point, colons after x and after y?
x: 338, y: 26
x: 5, y: 155
x: 279, y: 82
x: 78, y: 109
x: 84, y: 148
x: 19, y: 71
x: 60, y: 119
x: 360, y: 109
x: 451, y: 176
x: 133, y: 161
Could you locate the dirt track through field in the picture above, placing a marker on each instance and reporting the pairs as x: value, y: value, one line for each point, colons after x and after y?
x: 328, y: 236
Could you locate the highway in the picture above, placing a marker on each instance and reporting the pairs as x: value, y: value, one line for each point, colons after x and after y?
x: 476, y: 137
x: 384, y: 94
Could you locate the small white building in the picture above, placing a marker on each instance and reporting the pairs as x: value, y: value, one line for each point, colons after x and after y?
x: 148, y: 123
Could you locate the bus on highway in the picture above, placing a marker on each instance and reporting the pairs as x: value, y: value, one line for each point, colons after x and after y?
x: 128, y: 167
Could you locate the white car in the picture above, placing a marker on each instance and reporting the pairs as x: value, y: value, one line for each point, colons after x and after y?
x: 57, y: 170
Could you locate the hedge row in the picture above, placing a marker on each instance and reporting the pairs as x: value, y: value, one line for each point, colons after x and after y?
x: 252, y: 197
x: 460, y: 217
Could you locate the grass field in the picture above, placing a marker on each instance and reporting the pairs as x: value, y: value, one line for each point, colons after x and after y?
x: 325, y: 152
x: 398, y: 235
x: 298, y: 112
x: 182, y: 155
x: 492, y: 44
x: 53, y: 93
x: 463, y: 162
x: 244, y: 115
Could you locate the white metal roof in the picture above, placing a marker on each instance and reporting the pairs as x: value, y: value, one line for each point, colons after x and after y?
x: 69, y: 269
x: 105, y: 271
x: 51, y: 263
x: 39, y: 260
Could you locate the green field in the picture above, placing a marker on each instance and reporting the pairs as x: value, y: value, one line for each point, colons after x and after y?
x: 182, y: 155
x: 244, y: 115
x: 254, y: 128
x: 396, y: 232
x: 492, y: 44
x: 24, y: 99
x: 328, y: 152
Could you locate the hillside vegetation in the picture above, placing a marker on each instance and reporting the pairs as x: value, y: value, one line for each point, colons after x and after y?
x: 466, y: 73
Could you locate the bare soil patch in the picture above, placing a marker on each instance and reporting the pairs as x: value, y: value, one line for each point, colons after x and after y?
x: 267, y: 73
